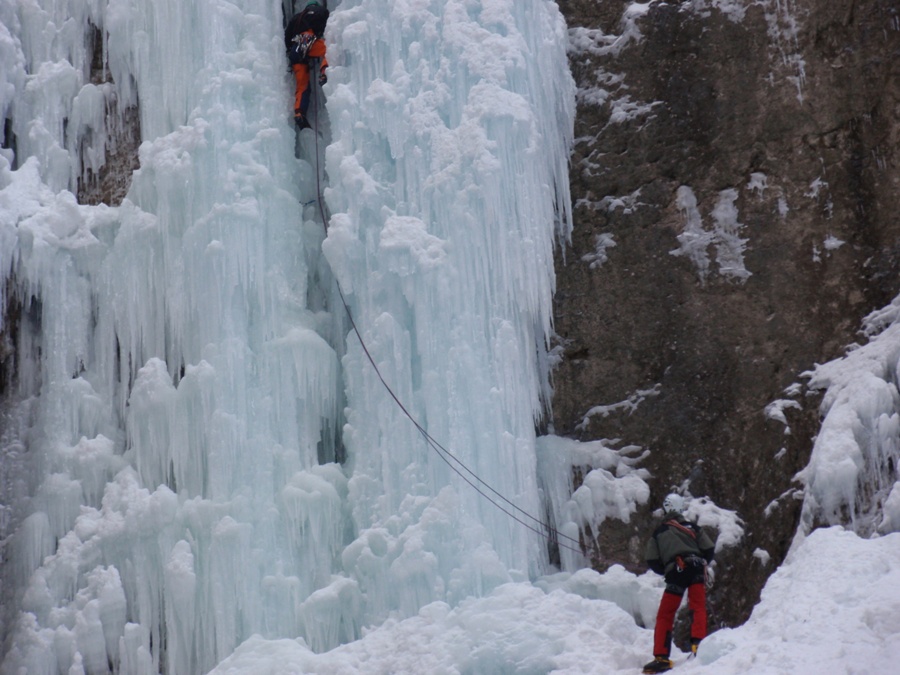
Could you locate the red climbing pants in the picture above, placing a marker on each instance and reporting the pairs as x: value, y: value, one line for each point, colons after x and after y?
x: 665, y: 618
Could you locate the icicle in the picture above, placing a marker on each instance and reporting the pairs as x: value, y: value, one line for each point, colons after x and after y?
x: 183, y: 350
x: 449, y: 187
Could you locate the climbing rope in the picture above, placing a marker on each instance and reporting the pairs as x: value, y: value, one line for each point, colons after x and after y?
x: 546, y: 531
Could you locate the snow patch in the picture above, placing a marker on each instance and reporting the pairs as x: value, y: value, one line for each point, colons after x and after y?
x: 611, y: 486
x: 695, y: 241
x: 602, y: 242
x: 629, y: 405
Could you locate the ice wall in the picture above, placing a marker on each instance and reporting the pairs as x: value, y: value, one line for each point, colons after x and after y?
x: 185, y: 372
x: 180, y: 495
x: 452, y: 123
x: 853, y: 477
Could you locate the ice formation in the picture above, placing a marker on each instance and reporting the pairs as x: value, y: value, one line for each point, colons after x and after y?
x: 695, y: 241
x: 853, y: 476
x: 829, y: 608
x: 199, y: 449
x: 201, y: 470
x: 450, y: 159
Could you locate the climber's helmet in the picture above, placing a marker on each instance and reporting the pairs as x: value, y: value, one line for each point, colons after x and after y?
x: 673, y: 503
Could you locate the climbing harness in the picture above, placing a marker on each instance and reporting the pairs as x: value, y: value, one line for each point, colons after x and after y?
x: 301, y: 46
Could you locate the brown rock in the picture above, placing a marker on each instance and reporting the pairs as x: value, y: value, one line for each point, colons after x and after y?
x: 796, y: 109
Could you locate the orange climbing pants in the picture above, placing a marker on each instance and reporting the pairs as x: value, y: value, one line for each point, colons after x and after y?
x: 301, y: 76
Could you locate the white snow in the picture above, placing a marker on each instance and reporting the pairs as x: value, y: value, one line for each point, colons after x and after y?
x: 815, y: 187
x: 853, y: 471
x: 834, y: 606
x: 629, y: 405
x: 775, y: 411
x: 726, y: 523
x: 595, y: 41
x: 783, y: 208
x: 852, y: 627
x: 832, y: 243
x: 611, y: 487
x: 758, y: 183
x: 762, y: 555
x: 784, y: 19
x: 735, y: 10
x: 602, y: 242
x: 729, y: 245
x: 695, y: 241
x: 610, y: 89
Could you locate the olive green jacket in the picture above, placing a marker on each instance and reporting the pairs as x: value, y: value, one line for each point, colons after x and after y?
x: 675, y: 537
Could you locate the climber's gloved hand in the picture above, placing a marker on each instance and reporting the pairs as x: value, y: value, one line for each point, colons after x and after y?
x: 323, y: 78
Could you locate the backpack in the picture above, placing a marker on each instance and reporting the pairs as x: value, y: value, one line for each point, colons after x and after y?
x: 297, y: 40
x: 313, y: 17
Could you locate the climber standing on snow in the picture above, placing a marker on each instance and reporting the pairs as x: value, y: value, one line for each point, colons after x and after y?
x: 306, y: 47
x: 680, y: 551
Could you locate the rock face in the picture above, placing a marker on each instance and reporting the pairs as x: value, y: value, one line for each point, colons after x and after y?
x: 110, y: 184
x: 737, y: 187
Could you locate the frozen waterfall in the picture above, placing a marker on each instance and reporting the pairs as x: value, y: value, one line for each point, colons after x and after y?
x: 197, y: 449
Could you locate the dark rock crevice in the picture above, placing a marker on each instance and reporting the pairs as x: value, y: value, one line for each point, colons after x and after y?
x: 110, y: 183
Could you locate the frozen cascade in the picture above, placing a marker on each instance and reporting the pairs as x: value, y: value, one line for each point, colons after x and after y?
x: 451, y: 126
x: 183, y: 393
x: 853, y: 477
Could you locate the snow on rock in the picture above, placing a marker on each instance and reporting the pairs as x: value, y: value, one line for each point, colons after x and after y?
x: 612, y: 486
x: 855, y: 465
x: 735, y: 10
x: 727, y: 524
x: 602, y: 242
x: 695, y: 240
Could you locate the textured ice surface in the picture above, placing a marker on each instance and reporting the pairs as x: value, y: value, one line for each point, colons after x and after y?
x: 198, y: 454
x: 448, y: 188
x: 854, y: 472
x: 202, y: 451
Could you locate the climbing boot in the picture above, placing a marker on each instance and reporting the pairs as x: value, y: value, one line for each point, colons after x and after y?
x: 660, y: 664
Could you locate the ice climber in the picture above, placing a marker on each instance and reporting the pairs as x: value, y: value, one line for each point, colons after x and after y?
x: 305, y: 47
x: 680, y: 551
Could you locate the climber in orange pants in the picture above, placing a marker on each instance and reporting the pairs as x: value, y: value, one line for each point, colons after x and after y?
x: 305, y: 46
x: 301, y: 75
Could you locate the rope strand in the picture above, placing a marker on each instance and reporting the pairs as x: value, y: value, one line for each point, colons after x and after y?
x: 548, y: 532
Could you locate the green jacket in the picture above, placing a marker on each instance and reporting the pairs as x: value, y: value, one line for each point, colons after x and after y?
x: 675, y: 537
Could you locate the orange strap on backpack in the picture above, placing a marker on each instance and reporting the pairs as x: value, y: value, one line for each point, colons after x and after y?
x: 686, y: 530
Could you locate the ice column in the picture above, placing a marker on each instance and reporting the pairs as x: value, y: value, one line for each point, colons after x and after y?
x: 452, y: 122
x: 182, y: 491
x: 853, y: 477
x: 180, y: 370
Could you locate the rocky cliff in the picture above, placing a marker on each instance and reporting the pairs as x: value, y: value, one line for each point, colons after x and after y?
x: 737, y: 189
